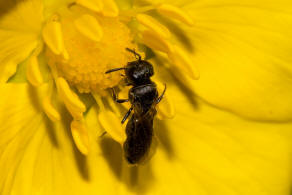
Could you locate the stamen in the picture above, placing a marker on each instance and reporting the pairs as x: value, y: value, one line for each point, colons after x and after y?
x: 155, y: 41
x: 175, y: 13
x: 65, y: 54
x: 165, y: 108
x: 110, y: 8
x: 50, y: 111
x: 183, y: 62
x: 71, y: 100
x: 80, y: 136
x: 114, y: 107
x: 33, y: 72
x: 110, y: 122
x: 89, y: 27
x: 76, y: 114
x: 95, y: 5
x: 153, y: 25
x: 90, y: 59
x: 53, y: 37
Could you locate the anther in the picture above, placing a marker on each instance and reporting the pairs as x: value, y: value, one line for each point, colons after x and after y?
x: 53, y: 36
x: 171, y: 11
x: 95, y: 5
x: 33, y: 72
x: 110, y: 8
x: 165, y: 108
x: 50, y: 111
x: 69, y: 97
x: 80, y: 136
x: 153, y: 25
x: 110, y: 122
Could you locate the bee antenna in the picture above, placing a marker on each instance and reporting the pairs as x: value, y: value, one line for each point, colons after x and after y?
x: 135, y: 53
x: 115, y: 69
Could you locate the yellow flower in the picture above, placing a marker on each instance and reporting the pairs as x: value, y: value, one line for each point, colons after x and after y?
x: 230, y: 133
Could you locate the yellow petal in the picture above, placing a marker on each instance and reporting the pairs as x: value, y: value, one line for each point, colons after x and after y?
x: 80, y: 136
x: 19, y: 31
x: 171, y: 11
x: 17, y: 131
x: 95, y: 5
x: 9, y: 68
x: 204, y: 150
x: 153, y: 25
x: 53, y: 36
x: 110, y: 8
x: 183, y: 62
x: 89, y: 27
x: 112, y: 125
x: 243, y: 52
x: 27, y: 13
x: 220, y: 153
x: 38, y: 157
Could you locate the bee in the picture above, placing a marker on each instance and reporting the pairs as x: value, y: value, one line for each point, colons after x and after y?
x: 143, y: 97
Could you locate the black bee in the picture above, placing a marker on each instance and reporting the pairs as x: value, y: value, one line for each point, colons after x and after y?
x: 143, y: 97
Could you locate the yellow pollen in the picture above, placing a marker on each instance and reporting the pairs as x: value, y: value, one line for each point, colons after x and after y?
x: 89, y: 59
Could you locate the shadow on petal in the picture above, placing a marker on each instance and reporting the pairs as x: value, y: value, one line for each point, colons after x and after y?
x: 136, y: 178
x: 140, y: 178
x: 113, y: 154
x: 50, y: 126
x: 186, y: 90
x: 80, y: 159
x: 6, y: 6
x: 162, y: 133
x: 51, y: 131
x: 178, y: 32
x: 34, y: 98
x: 175, y: 78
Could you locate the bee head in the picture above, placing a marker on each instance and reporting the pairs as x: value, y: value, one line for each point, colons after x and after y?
x: 139, y: 72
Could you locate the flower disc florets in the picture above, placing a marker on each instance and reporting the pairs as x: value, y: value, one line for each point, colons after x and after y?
x: 91, y: 52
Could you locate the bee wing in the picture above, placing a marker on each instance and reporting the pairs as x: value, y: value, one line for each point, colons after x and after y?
x: 139, y: 138
x: 152, y: 150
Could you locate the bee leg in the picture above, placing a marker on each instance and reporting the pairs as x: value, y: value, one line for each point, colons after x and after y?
x: 126, y: 82
x: 161, y: 96
x: 116, y: 98
x: 127, y: 115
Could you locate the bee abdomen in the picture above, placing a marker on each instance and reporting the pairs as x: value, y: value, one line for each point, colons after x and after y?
x: 139, y: 138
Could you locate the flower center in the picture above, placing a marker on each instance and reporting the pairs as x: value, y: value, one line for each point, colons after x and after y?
x: 93, y: 44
